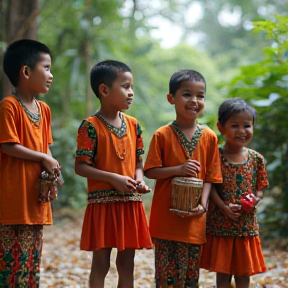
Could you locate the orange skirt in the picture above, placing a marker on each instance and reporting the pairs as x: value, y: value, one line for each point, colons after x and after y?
x: 115, y: 225
x: 233, y: 255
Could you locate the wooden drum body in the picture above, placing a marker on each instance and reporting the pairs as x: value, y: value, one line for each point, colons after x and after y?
x: 185, y: 194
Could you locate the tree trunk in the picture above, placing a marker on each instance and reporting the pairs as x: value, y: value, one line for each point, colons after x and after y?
x: 20, y: 22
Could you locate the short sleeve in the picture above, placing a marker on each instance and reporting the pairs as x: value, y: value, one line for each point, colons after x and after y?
x: 139, y: 143
x: 213, y: 163
x: 154, y: 157
x: 86, y: 143
x: 261, y: 181
x: 8, y: 129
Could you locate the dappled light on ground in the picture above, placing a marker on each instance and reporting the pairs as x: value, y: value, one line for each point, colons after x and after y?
x: 65, y: 266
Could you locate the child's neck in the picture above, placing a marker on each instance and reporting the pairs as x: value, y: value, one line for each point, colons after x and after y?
x: 112, y: 117
x: 26, y: 97
x: 235, y: 154
x: 187, y: 128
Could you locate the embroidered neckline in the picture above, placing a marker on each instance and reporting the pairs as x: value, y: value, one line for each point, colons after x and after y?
x: 33, y: 117
x: 119, y: 132
x: 221, y: 149
x: 188, y: 146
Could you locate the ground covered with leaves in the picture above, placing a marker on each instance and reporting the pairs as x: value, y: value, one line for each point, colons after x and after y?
x: 65, y: 266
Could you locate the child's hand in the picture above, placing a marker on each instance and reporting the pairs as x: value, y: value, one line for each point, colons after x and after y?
x: 231, y: 211
x: 123, y: 184
x: 190, y: 168
x: 142, y: 188
x: 49, y: 163
x: 195, y: 212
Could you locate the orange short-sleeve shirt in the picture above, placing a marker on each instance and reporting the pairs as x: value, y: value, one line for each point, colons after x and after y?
x: 19, y: 178
x: 166, y: 151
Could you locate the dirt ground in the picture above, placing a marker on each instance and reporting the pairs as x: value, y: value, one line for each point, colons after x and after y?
x: 65, y: 266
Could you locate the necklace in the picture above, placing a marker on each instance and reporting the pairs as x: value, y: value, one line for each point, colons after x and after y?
x: 34, y: 117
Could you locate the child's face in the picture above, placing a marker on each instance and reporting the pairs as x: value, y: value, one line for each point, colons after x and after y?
x: 40, y: 78
x: 189, y: 100
x: 238, y: 130
x: 121, y: 95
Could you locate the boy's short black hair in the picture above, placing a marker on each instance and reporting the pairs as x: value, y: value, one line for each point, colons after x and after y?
x: 20, y: 53
x: 234, y: 106
x: 106, y: 72
x: 184, y: 75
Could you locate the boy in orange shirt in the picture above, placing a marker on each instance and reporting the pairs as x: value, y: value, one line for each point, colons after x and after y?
x: 173, y: 152
x: 25, y: 136
x: 109, y: 154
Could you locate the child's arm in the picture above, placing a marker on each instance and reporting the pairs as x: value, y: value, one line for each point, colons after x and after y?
x: 142, y: 188
x: 227, y: 210
x: 205, y: 195
x: 189, y: 168
x: 123, y: 184
x: 22, y: 152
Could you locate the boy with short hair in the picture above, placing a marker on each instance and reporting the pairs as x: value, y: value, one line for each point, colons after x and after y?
x: 109, y: 154
x: 184, y: 149
x: 25, y: 136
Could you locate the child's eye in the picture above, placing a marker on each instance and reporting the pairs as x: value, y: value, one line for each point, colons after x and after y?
x: 186, y: 95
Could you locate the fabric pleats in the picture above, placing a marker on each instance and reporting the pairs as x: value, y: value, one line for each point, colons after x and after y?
x: 117, y: 224
x: 233, y: 255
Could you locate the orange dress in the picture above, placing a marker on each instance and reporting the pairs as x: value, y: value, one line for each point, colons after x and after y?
x: 112, y: 219
x: 168, y: 149
x: 233, y: 246
x: 19, y: 178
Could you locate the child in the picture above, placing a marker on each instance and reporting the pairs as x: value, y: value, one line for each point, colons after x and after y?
x: 233, y: 244
x: 177, y: 237
x: 109, y: 153
x: 25, y: 136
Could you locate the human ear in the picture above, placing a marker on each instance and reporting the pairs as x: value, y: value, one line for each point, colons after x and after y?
x: 103, y: 90
x: 220, y: 128
x: 25, y: 71
x: 170, y: 99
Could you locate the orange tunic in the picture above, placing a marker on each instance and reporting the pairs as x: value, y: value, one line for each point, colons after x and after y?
x: 165, y: 151
x: 112, y: 219
x: 19, y: 178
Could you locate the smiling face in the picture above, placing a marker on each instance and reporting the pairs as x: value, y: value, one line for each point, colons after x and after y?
x: 238, y: 129
x: 188, y: 100
x: 40, y: 78
x: 120, y: 95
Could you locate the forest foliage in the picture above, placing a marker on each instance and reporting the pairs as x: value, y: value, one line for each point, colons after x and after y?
x: 239, y: 46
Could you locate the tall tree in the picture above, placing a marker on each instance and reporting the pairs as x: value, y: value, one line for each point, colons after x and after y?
x: 19, y: 20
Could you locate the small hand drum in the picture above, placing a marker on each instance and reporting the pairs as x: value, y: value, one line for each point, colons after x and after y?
x: 185, y: 194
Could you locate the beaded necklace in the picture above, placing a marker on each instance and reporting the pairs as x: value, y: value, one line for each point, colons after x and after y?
x: 34, y: 117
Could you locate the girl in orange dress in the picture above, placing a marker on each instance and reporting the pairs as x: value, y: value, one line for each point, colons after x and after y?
x: 233, y: 245
x: 109, y: 149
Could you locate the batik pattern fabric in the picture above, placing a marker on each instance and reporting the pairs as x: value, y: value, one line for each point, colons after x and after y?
x: 20, y: 255
x: 176, y: 264
x: 238, y: 179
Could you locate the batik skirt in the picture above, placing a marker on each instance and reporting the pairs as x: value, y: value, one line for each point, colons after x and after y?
x: 176, y: 264
x: 20, y: 255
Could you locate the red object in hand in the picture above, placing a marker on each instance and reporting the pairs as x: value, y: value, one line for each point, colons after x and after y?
x: 249, y: 201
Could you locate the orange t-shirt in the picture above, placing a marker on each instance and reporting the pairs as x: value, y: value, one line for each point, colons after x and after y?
x: 165, y: 151
x: 19, y: 178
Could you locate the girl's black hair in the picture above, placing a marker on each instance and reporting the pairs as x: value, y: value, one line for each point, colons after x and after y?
x: 234, y: 106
